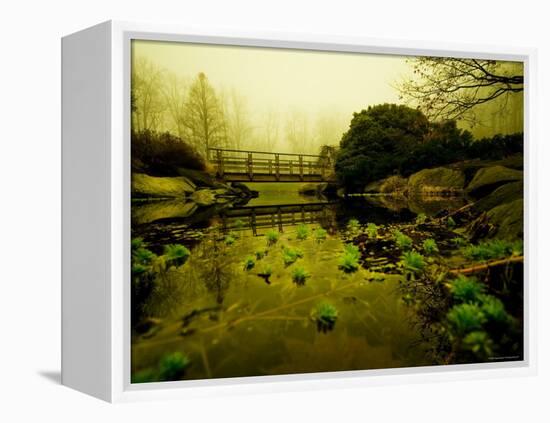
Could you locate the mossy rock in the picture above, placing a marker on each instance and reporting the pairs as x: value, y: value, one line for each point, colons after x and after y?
x: 373, y: 187
x: 487, y: 179
x: 152, y: 186
x: 394, y: 184
x: 508, y: 218
x: 308, y: 189
x: 151, y: 211
x: 204, y: 197
x: 439, y: 180
x: 502, y: 195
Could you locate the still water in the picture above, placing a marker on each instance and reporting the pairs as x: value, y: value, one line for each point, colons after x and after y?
x: 230, y: 321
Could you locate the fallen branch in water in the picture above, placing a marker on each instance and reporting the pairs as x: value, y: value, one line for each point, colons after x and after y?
x: 485, y: 266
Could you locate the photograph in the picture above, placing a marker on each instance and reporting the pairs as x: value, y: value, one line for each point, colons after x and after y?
x: 298, y: 211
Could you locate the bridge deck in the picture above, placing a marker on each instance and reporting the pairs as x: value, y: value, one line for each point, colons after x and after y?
x: 261, y: 166
x: 276, y: 216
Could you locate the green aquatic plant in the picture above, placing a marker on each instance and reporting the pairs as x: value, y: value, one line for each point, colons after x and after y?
x: 320, y: 234
x: 349, y: 262
x: 325, y: 315
x: 175, y: 255
x: 465, y: 318
x: 144, y: 376
x: 494, y: 309
x: 413, y: 261
x: 450, y: 222
x: 139, y: 269
x: 353, y: 225
x: 272, y: 237
x: 493, y: 249
x: 229, y: 240
x: 249, y: 263
x: 172, y: 366
x: 352, y: 250
x: 430, y: 246
x: 403, y: 241
x: 260, y: 254
x: 466, y: 290
x: 302, y: 232
x: 300, y: 275
x: 421, y: 218
x: 136, y: 244
x: 290, y: 255
x: 479, y: 343
x: 266, y: 272
x: 143, y: 256
x: 372, y: 230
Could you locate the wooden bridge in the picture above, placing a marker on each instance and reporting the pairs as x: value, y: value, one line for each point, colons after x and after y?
x: 277, y: 216
x: 261, y: 166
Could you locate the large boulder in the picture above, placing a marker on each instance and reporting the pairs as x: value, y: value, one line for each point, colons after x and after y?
x: 502, y: 195
x: 319, y: 189
x: 436, y: 181
x: 204, y: 197
x: 373, y: 187
x: 308, y: 189
x: 394, y: 184
x: 243, y: 190
x: 152, y: 186
x: 487, y: 179
x: 151, y: 211
x: 508, y: 218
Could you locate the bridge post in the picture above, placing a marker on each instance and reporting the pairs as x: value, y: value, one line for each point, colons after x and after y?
x: 253, y: 222
x: 290, y: 166
x: 277, y: 168
x: 249, y: 166
x: 219, y: 159
x: 301, y: 164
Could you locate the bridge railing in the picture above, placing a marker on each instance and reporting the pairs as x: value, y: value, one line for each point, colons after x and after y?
x: 228, y: 161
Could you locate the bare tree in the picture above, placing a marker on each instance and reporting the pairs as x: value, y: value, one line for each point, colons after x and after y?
x: 204, y: 115
x: 175, y: 100
x: 329, y: 127
x: 297, y: 132
x: 270, y: 130
x: 147, y: 104
x: 450, y: 88
x: 239, y: 128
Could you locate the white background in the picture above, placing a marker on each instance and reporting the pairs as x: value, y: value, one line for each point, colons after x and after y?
x: 30, y: 207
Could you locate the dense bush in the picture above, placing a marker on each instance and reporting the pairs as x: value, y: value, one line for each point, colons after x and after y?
x: 391, y: 139
x: 377, y: 143
x: 161, y: 154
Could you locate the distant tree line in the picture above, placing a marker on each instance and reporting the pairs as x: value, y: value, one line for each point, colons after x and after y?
x: 197, y: 113
x: 395, y: 139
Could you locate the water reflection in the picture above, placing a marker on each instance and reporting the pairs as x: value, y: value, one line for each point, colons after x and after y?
x: 234, y: 320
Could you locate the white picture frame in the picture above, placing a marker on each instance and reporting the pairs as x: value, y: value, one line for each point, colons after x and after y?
x: 96, y: 213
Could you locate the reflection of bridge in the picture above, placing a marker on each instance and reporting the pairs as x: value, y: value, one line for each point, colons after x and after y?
x: 277, y: 216
x: 259, y: 166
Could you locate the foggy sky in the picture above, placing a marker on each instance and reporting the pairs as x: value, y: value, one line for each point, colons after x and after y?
x: 312, y: 82
x: 283, y: 79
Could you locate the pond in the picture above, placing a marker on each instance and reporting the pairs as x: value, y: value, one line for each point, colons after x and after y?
x: 235, y: 308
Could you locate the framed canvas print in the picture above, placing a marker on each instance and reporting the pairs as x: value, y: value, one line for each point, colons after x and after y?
x: 251, y: 212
